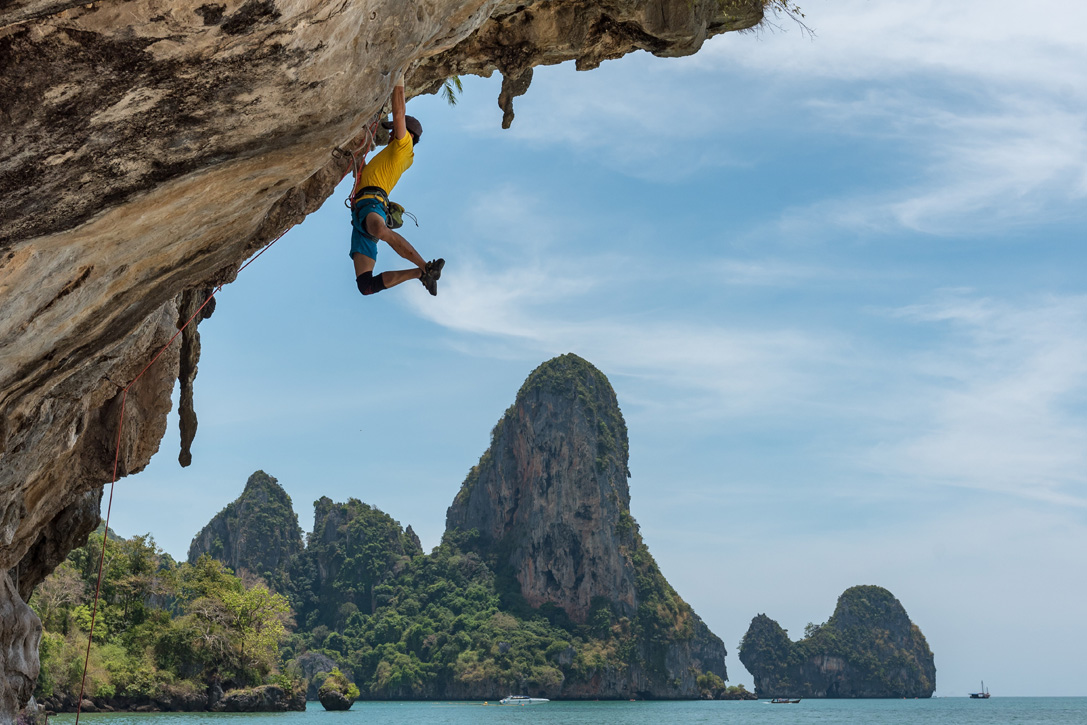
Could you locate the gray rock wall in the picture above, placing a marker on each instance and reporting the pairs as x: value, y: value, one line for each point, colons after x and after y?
x: 550, y: 501
x: 549, y: 494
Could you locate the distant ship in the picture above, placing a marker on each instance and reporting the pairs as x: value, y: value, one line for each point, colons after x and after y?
x: 983, y: 695
x: 784, y: 701
x: 522, y: 700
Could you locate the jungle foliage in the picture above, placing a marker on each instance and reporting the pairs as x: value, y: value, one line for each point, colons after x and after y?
x: 159, y: 625
x: 454, y: 622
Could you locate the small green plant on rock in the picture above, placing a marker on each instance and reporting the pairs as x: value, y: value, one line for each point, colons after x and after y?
x: 337, y: 692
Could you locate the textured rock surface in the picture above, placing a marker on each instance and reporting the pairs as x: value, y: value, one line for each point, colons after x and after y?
x: 868, y: 648
x: 20, y: 634
x: 552, y: 488
x: 266, y: 698
x: 148, y: 147
x: 257, y: 532
x: 550, y: 501
x: 332, y: 700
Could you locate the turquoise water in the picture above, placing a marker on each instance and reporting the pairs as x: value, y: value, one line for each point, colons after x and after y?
x: 960, y: 711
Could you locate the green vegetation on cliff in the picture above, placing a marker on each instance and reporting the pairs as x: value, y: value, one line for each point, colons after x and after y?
x: 354, y: 547
x: 258, y: 533
x: 868, y: 648
x: 448, y: 626
x: 163, y: 630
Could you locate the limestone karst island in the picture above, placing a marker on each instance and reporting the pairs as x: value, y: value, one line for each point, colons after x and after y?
x: 148, y: 150
x: 868, y: 648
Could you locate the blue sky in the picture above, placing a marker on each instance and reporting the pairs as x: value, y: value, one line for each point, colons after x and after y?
x: 837, y: 284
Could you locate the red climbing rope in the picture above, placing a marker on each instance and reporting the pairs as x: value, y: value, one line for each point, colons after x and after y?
x: 356, y: 166
x: 117, y: 458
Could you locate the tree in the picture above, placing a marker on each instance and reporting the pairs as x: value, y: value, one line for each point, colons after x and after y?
x: 60, y: 590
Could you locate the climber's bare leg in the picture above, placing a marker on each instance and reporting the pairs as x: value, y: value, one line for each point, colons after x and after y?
x: 376, y: 227
x: 363, y: 264
x: 395, y: 277
x: 391, y: 278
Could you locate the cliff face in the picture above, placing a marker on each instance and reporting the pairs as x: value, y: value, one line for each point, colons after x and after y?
x: 258, y: 532
x: 868, y: 648
x: 551, y: 492
x: 148, y: 147
x: 550, y: 502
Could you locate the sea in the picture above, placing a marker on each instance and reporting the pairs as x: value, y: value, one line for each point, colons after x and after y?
x: 957, y: 711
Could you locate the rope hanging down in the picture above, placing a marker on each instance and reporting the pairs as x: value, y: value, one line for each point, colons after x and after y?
x: 117, y: 457
x: 356, y: 166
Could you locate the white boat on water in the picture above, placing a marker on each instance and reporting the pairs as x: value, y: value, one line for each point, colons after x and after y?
x: 522, y: 700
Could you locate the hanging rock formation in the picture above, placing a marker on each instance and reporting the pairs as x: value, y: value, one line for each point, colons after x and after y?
x: 868, y: 648
x: 148, y: 147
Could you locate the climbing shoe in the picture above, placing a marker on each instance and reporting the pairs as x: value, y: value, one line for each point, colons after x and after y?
x: 431, y: 273
x: 430, y: 282
x: 434, y: 267
x: 431, y: 285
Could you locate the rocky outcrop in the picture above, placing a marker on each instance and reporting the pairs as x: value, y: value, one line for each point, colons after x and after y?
x: 266, y: 698
x: 550, y: 503
x: 258, y: 533
x: 334, y: 700
x: 868, y: 648
x: 147, y: 148
x: 20, y: 634
x: 354, y: 547
x: 337, y: 692
x: 309, y: 665
x: 167, y: 699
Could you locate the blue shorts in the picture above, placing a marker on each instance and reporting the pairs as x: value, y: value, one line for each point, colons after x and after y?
x: 361, y: 241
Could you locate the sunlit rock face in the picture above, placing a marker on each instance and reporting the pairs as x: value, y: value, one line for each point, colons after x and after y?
x: 551, y: 492
x: 147, y: 147
x: 549, y: 505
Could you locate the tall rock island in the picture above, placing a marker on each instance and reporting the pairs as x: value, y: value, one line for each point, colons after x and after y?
x: 550, y: 496
x: 868, y: 648
x: 257, y: 532
x: 548, y: 505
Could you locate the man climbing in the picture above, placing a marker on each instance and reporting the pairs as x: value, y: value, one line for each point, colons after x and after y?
x: 370, y: 208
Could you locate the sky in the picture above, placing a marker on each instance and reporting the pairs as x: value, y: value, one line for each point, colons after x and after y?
x: 835, y: 278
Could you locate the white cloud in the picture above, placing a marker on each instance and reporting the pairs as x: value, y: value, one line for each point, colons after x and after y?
x: 1004, y: 399
x: 515, y: 290
x: 989, y: 397
x: 987, y: 98
x: 983, y: 98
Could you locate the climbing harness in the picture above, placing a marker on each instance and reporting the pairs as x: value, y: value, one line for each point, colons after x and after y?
x: 394, y: 213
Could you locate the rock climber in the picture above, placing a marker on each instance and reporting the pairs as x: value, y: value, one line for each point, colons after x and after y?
x: 370, y: 208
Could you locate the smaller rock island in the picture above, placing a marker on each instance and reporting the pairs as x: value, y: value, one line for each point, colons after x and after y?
x: 868, y: 648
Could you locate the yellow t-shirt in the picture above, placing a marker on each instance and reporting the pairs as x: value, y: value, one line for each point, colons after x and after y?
x: 385, y: 169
